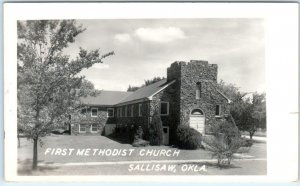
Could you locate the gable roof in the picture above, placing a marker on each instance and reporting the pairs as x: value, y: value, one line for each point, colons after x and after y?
x: 111, y: 98
x: 147, y: 92
x: 221, y: 93
x: 107, y: 98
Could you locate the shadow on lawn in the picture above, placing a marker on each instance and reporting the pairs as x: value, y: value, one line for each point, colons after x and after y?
x: 25, y: 168
x: 119, y: 139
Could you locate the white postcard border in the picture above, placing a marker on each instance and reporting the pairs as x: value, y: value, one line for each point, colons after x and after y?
x: 281, y: 34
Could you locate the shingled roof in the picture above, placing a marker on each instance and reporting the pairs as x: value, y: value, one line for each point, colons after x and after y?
x: 110, y: 98
x: 147, y: 92
x: 106, y: 98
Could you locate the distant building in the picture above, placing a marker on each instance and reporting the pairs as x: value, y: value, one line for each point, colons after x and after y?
x: 188, y: 96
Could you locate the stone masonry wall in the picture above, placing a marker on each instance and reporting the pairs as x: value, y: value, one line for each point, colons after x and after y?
x: 87, y: 120
x: 187, y: 75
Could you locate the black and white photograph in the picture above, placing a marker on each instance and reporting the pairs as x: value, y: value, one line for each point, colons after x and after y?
x: 156, y: 96
x: 142, y: 96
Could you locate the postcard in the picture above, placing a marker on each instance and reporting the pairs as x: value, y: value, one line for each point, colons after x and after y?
x: 187, y: 92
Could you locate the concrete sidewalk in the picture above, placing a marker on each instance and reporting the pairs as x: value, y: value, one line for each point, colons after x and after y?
x: 256, y: 138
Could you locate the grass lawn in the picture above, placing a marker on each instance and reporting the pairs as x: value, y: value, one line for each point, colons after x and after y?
x: 257, y: 151
x: 257, y: 133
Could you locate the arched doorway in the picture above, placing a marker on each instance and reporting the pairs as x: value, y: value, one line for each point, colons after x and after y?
x: 197, y: 120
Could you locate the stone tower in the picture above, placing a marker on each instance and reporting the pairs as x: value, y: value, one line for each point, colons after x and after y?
x: 196, y: 100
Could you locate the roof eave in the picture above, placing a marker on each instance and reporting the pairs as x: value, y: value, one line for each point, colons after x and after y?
x: 132, y: 101
x: 228, y: 100
x: 98, y: 105
x: 151, y: 97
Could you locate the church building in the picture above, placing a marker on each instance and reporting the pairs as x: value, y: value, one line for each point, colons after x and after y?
x: 188, y: 96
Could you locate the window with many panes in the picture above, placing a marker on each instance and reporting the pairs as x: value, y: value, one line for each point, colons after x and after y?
x: 110, y: 112
x: 82, y: 128
x: 94, y: 128
x: 164, y: 108
x: 131, y: 113
x: 140, y: 110
x: 94, y: 112
x: 125, y: 111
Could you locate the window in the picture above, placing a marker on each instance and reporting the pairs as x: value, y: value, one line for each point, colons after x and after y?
x: 198, y: 90
x: 125, y: 111
x: 83, y: 111
x: 140, y: 110
x: 218, y: 110
x: 164, y: 108
x: 94, y: 128
x: 120, y: 111
x: 197, y: 112
x: 131, y: 113
x: 110, y: 112
x: 94, y: 112
x: 82, y: 128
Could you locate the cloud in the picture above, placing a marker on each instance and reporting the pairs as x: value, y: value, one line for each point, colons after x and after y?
x: 101, y: 66
x: 160, y: 35
x: 123, y: 37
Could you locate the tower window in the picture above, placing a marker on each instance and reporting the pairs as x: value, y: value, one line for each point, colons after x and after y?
x: 198, y: 90
x: 218, y: 110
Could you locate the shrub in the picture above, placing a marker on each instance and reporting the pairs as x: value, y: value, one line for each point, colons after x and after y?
x: 247, y: 142
x: 188, y: 138
x: 138, y: 138
x: 156, y: 130
x: 140, y: 143
x: 224, y: 142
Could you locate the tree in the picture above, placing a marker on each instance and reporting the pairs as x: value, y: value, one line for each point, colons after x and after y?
x: 249, y: 114
x: 132, y: 88
x: 224, y: 142
x: 253, y: 115
x: 156, y: 130
x: 154, y: 80
x: 49, y: 87
x: 147, y: 82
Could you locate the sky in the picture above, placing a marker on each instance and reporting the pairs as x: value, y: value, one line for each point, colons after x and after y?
x: 144, y: 48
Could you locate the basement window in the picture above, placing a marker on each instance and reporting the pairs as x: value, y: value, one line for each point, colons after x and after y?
x: 82, y: 128
x: 94, y: 128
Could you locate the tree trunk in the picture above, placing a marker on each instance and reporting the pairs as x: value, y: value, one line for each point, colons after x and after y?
x: 35, y: 141
x: 251, y: 134
x: 35, y: 154
x: 19, y: 143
